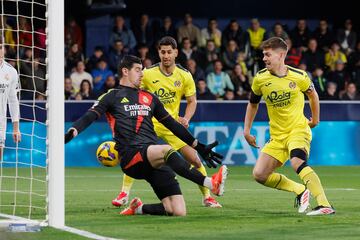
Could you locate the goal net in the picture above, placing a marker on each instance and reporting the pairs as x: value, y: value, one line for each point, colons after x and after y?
x: 25, y: 167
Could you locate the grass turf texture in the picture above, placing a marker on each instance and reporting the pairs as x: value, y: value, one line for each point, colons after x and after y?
x: 250, y: 211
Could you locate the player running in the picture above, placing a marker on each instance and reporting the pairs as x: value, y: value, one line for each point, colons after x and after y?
x: 131, y: 110
x: 282, y: 88
x: 170, y: 82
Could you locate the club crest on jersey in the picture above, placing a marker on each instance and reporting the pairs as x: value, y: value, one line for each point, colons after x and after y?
x: 292, y: 85
x: 7, y: 77
x: 177, y: 83
x: 145, y: 99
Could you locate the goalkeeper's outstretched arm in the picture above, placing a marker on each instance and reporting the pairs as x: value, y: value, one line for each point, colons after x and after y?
x: 81, y: 124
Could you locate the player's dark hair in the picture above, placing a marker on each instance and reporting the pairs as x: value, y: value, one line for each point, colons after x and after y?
x: 127, y: 62
x: 168, y: 41
x: 274, y: 43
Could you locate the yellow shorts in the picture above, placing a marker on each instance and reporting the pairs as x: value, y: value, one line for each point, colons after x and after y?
x: 280, y: 149
x: 166, y: 135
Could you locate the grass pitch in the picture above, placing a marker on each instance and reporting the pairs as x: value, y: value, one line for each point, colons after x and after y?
x: 250, y: 211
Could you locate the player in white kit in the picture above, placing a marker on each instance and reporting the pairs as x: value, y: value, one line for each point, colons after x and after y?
x: 8, y: 95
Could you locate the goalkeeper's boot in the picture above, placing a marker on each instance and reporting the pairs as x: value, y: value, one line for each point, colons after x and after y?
x: 211, y: 202
x: 218, y: 181
x: 135, y: 207
x: 321, y: 210
x: 121, y: 200
x: 302, y: 201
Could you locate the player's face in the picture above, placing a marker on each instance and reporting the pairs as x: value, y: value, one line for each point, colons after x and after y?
x: 135, y: 75
x: 273, y: 58
x: 167, y: 55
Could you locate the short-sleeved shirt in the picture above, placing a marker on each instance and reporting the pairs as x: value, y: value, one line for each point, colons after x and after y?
x: 129, y: 112
x: 284, y: 99
x: 169, y: 88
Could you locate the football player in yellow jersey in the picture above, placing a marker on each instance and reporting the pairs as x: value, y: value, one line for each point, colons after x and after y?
x: 170, y: 82
x: 282, y: 89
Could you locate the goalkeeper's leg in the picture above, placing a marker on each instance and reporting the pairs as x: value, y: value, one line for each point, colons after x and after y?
x: 192, y: 157
x: 123, y: 196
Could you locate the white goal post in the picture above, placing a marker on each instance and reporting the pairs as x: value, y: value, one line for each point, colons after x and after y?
x: 32, y: 172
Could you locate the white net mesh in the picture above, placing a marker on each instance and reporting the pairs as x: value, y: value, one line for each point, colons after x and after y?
x: 23, y: 167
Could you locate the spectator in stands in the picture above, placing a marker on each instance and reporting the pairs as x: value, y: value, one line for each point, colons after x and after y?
x: 143, y: 52
x: 69, y: 90
x: 339, y: 76
x: 25, y: 33
x: 147, y: 62
x: 319, y: 81
x: 333, y: 56
x: 115, y: 55
x: 77, y: 97
x: 196, y: 72
x: 190, y: 31
x: 109, y: 84
x: 240, y: 82
x: 300, y: 35
x: 278, y: 31
x: 40, y: 42
x: 79, y: 75
x: 211, y: 54
x: 218, y: 80
x: 26, y: 70
x: 313, y: 57
x: 351, y: 93
x: 323, y: 35
x: 167, y: 29
x: 230, y: 55
x: 230, y: 96
x: 304, y: 67
x: 143, y: 31
x: 73, y: 34
x: 331, y: 92
x: 8, y: 34
x: 234, y: 32
x: 100, y: 74
x: 256, y: 36
x: 95, y: 57
x: 73, y: 56
x: 354, y: 64
x: 241, y: 60
x: 187, y: 52
x: 211, y: 32
x: 86, y: 91
x: 347, y: 37
x: 203, y: 92
x: 39, y: 75
x: 121, y: 32
x: 294, y: 55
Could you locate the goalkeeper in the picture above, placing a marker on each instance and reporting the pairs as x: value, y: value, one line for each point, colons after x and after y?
x: 132, y: 110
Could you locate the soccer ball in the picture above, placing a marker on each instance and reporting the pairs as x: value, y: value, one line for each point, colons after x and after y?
x: 107, y: 155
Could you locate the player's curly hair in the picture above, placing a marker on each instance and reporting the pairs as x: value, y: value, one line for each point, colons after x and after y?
x: 274, y: 43
x: 167, y: 41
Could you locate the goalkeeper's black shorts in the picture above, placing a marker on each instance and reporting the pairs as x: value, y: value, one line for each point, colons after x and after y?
x: 134, y: 163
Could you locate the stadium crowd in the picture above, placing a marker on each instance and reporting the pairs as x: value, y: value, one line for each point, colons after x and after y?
x: 222, y: 61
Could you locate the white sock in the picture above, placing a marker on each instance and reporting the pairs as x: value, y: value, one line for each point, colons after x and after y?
x: 139, y: 210
x: 207, y: 183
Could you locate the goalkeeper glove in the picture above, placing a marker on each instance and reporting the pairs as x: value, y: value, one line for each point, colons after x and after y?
x: 209, y: 156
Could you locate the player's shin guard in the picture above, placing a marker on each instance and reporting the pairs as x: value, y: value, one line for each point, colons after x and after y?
x: 204, y: 190
x: 312, y: 182
x: 174, y: 160
x: 155, y: 209
x: 127, y: 183
x: 281, y: 182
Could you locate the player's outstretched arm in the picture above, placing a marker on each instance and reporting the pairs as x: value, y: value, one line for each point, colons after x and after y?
x: 314, y: 107
x: 205, y: 151
x: 251, y: 111
x: 80, y: 125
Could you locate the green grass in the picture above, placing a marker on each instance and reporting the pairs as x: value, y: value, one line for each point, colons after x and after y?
x: 250, y: 211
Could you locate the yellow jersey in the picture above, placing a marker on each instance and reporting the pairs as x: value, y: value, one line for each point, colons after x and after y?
x: 169, y: 88
x: 284, y: 99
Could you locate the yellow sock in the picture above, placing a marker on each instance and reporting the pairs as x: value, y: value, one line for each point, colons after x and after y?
x: 204, y: 190
x: 312, y: 182
x: 281, y: 182
x: 127, y: 183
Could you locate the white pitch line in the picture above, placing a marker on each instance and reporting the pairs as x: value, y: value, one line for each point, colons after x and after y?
x: 86, y: 233
x: 191, y: 190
